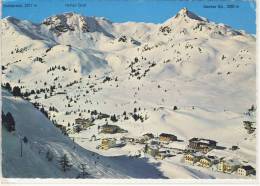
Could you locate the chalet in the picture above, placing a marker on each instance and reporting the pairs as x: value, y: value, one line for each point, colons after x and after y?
x: 167, y: 137
x: 85, y: 123
x: 163, y: 154
x: 77, y: 128
x: 140, y: 140
x: 245, y: 170
x: 208, y: 161
x: 228, y: 166
x: 108, y: 143
x: 152, y: 150
x: 111, y: 129
x: 202, y: 145
x: 192, y: 158
x: 148, y: 136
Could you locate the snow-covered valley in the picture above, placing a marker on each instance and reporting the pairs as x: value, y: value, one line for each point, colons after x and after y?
x: 189, y: 77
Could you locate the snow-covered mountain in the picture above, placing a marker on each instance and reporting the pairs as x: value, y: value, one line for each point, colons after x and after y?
x: 80, y: 64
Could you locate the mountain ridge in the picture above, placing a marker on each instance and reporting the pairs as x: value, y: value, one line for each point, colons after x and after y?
x: 93, y: 21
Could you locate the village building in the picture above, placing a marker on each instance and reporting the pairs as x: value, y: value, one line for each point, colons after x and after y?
x: 163, y: 154
x: 154, y: 142
x: 208, y: 161
x: 140, y: 140
x: 148, y: 136
x: 107, y: 143
x: 77, y: 128
x: 167, y: 137
x: 111, y: 129
x: 228, y: 166
x: 152, y: 150
x: 245, y: 170
x: 84, y: 123
x: 192, y: 158
x: 203, y: 145
x: 93, y: 138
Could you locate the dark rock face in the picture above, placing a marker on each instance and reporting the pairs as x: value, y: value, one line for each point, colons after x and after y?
x: 70, y: 22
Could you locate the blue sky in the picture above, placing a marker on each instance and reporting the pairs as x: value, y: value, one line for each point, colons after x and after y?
x: 156, y: 11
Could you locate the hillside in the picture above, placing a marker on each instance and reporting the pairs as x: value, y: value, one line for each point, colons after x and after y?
x: 44, y: 137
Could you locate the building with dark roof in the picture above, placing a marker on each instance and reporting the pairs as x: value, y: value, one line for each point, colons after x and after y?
x: 201, y: 144
x: 167, y: 137
x: 148, y: 136
x: 245, y: 170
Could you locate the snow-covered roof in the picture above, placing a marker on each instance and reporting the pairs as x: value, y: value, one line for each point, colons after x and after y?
x: 196, y: 154
x: 202, y: 140
x: 232, y: 162
x: 154, y: 147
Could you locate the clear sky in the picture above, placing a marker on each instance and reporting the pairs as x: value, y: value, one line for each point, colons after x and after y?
x: 241, y: 16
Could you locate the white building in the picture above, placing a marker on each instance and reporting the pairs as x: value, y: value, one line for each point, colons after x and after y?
x: 245, y: 170
x: 228, y: 165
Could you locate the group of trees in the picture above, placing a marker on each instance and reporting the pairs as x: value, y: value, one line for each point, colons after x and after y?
x: 251, y: 110
x: 107, y: 79
x: 65, y: 164
x: 136, y: 71
x: 8, y: 121
x: 37, y: 106
x: 57, y: 67
x: 44, y: 112
x: 16, y: 91
x: 165, y: 29
x: 113, y: 118
x: 52, y: 108
x: 137, y: 117
x: 8, y: 87
x: 19, y: 50
x: 72, y: 83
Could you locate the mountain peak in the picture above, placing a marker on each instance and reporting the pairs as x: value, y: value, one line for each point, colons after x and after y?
x: 184, y: 12
x: 11, y: 19
x: 70, y: 21
x: 67, y: 19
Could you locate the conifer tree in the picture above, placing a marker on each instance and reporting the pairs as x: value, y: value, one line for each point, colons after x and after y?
x: 65, y: 163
